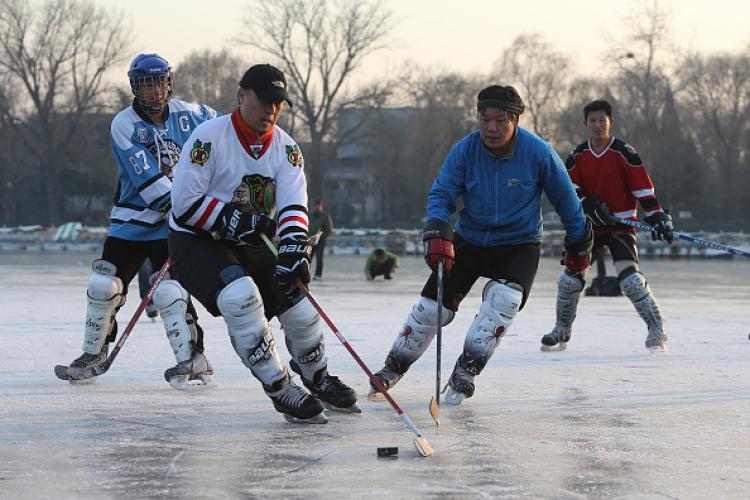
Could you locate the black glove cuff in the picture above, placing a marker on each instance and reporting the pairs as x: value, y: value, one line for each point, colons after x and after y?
x: 584, y: 245
x: 437, y: 229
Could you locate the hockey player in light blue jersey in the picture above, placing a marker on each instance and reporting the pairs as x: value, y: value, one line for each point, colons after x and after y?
x: 146, y: 138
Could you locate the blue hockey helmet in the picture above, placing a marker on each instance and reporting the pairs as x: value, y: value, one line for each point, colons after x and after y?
x: 148, y: 74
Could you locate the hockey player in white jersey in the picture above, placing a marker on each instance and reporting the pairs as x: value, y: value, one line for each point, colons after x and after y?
x: 239, y: 171
x: 146, y: 139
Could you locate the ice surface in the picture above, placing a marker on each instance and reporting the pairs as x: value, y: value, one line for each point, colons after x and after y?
x: 602, y: 419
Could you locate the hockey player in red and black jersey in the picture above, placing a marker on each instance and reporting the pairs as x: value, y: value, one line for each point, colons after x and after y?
x: 611, y: 180
x: 227, y: 189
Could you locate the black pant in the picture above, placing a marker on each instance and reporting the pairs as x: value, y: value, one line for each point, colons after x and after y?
x: 385, y: 268
x: 204, y: 267
x: 513, y: 263
x: 318, y: 252
x: 128, y: 256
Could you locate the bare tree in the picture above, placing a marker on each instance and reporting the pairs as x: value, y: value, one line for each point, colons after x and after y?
x: 57, y: 52
x: 320, y: 45
x: 540, y: 73
x: 209, y: 77
x: 717, y: 97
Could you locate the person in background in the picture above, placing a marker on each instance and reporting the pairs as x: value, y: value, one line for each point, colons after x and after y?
x: 320, y: 221
x: 380, y: 262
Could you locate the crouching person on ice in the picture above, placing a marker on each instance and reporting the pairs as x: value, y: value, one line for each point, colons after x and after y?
x: 500, y: 171
x: 228, y: 186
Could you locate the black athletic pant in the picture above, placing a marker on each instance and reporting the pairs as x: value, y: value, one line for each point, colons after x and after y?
x: 205, y: 266
x: 513, y: 263
x: 319, y: 251
x: 384, y: 268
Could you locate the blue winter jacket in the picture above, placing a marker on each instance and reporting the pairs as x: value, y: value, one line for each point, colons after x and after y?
x: 503, y: 196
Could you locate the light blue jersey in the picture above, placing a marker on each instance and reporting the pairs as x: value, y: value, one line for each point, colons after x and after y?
x: 503, y: 196
x: 145, y: 154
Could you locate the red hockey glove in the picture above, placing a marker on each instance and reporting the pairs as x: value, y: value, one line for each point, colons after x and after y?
x: 438, y: 244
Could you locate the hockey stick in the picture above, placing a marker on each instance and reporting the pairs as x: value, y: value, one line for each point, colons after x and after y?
x: 686, y: 237
x: 435, y: 400
x: 63, y: 372
x: 420, y: 442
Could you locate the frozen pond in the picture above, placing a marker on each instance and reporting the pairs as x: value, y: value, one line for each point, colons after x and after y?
x: 603, y: 419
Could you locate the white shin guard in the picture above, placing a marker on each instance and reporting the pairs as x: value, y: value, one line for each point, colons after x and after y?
x: 500, y: 304
x: 635, y: 287
x: 303, y: 330
x: 104, y: 297
x: 241, y: 306
x: 568, y: 292
x: 172, y: 301
x: 417, y: 333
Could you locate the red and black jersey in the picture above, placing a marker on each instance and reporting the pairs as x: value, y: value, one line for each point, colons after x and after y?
x: 616, y: 175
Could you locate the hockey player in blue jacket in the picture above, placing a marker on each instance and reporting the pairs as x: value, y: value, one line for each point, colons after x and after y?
x: 146, y: 139
x: 500, y: 172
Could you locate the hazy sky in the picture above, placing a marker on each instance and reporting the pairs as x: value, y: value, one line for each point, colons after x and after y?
x: 465, y: 36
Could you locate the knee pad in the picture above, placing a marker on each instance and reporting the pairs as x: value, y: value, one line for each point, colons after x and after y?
x: 418, y: 331
x: 303, y: 331
x: 241, y: 306
x: 104, y: 297
x: 104, y: 286
x: 568, y: 292
x: 171, y: 300
x: 500, y: 304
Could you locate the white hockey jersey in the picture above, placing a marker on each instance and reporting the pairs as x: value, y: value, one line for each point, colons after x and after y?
x: 223, y: 162
x: 145, y: 155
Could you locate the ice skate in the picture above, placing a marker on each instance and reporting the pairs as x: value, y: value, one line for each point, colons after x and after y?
x: 152, y: 312
x: 297, y: 406
x: 82, y: 362
x: 556, y: 340
x: 388, y: 376
x: 334, y: 394
x: 196, y: 371
x: 461, y: 384
x: 656, y: 342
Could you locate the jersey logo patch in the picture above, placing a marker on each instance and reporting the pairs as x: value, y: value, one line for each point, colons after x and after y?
x: 142, y: 135
x: 294, y: 155
x: 200, y: 152
x: 255, y: 194
x: 631, y: 149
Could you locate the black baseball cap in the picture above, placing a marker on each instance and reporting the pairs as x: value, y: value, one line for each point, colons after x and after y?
x: 268, y: 83
x: 501, y: 97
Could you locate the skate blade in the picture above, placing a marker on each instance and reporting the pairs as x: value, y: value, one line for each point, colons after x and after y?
x: 423, y: 447
x: 375, y: 395
x: 552, y: 348
x: 183, y: 383
x: 83, y: 381
x: 340, y: 409
x: 453, y: 397
x: 658, y: 349
x: 320, y: 418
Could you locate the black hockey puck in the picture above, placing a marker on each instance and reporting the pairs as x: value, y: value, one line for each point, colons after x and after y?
x: 388, y: 452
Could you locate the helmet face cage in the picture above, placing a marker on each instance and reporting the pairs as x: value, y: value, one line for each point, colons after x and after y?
x: 143, y: 89
x: 149, y: 73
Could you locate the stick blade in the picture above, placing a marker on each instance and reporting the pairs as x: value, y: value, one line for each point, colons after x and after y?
x: 435, y: 410
x: 423, y: 447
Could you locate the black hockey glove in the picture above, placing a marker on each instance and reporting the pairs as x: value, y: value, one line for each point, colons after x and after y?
x: 242, y: 227
x: 438, y: 244
x: 294, y: 262
x: 662, y: 228
x: 596, y: 210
